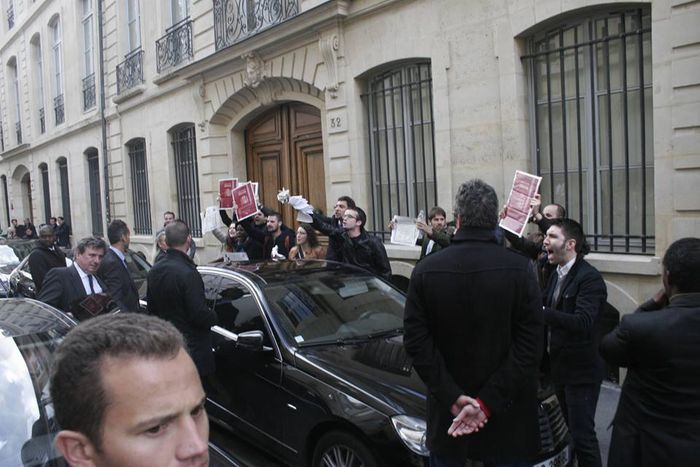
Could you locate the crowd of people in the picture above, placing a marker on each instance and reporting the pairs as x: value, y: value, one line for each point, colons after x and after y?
x: 482, y: 323
x: 28, y: 230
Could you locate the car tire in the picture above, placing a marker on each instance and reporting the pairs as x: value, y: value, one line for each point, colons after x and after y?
x: 341, y: 449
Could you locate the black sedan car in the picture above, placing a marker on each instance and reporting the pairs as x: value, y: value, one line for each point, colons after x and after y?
x: 30, y: 332
x: 311, y: 367
x: 12, y: 252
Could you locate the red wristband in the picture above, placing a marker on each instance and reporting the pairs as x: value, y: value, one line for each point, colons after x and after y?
x: 483, y: 407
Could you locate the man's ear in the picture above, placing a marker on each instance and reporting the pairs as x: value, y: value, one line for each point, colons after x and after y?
x: 76, y: 448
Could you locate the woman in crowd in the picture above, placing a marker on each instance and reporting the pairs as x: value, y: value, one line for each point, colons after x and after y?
x: 307, y: 246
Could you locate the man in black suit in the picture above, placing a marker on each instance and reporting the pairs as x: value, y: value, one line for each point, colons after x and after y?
x: 45, y: 256
x: 658, y: 416
x: 63, y: 233
x: 114, y: 271
x: 65, y: 287
x: 573, y: 299
x: 473, y: 326
x: 176, y: 294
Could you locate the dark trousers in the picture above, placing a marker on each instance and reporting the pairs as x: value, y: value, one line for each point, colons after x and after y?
x: 578, y: 403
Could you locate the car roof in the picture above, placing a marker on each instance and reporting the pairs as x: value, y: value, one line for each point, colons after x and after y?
x: 23, y: 316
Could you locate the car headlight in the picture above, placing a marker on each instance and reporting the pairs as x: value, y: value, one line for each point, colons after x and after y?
x: 412, y: 432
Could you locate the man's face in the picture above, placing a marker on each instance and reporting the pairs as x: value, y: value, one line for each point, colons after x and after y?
x: 59, y: 221
x: 350, y: 219
x: 47, y: 238
x: 558, y: 249
x: 90, y: 259
x: 259, y: 218
x: 14, y: 222
x: 168, y: 218
x: 155, y: 415
x: 438, y: 222
x: 126, y: 239
x: 340, y: 208
x: 161, y: 243
x: 273, y: 224
x: 551, y: 211
x: 52, y: 221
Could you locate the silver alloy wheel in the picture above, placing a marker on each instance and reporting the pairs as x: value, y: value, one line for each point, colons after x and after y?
x: 341, y: 456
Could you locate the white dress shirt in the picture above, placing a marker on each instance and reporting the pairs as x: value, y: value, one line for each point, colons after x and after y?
x: 86, y: 282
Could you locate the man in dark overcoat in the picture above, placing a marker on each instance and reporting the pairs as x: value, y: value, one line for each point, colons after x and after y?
x: 46, y: 255
x: 114, y: 271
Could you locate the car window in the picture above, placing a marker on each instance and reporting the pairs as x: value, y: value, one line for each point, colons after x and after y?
x: 138, y: 270
x: 236, y: 308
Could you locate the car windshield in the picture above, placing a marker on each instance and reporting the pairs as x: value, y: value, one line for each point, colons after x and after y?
x: 8, y: 256
x: 330, y: 306
x: 28, y: 426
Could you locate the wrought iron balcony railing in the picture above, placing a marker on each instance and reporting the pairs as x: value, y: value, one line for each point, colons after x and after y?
x: 89, y: 100
x: 234, y: 20
x: 18, y: 130
x: 58, y: 109
x: 11, y: 17
x: 130, y: 71
x: 175, y: 46
x: 42, y: 121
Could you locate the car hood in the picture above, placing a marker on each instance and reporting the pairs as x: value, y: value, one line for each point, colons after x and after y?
x: 376, y: 370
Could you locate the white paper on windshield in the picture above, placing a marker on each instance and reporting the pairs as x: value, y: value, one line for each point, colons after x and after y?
x: 405, y: 231
x: 350, y: 289
x: 211, y: 219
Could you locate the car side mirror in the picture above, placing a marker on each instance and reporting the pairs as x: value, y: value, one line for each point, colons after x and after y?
x: 250, y: 340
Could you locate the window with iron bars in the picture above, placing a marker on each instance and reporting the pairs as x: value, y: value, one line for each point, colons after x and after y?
x: 95, y: 195
x: 44, y: 169
x: 139, y: 186
x: 186, y: 175
x: 399, y: 105
x: 65, y: 190
x: 591, y: 114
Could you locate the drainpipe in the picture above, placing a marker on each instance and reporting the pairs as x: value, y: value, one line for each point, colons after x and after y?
x: 105, y: 154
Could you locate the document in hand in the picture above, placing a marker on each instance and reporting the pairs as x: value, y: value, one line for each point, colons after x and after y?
x: 405, y: 231
x: 226, y: 186
x: 244, y: 197
x: 518, y: 210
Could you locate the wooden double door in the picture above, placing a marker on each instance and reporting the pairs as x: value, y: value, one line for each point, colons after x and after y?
x: 284, y: 148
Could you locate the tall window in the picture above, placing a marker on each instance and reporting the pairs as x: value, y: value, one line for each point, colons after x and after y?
x: 38, y: 83
x: 132, y: 24
x: 88, y: 65
x: 6, y: 197
x: 95, y: 195
x: 399, y: 105
x: 44, y: 170
x: 139, y: 186
x: 65, y: 191
x: 186, y: 174
x: 57, y: 55
x: 14, y: 77
x: 179, y: 10
x: 592, y: 125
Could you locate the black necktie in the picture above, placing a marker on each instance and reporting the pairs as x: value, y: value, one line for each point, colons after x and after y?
x: 90, y: 281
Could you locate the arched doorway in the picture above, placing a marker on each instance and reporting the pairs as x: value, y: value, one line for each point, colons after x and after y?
x: 26, y: 187
x: 284, y: 148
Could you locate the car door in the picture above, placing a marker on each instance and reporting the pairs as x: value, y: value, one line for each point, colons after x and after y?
x: 246, y: 388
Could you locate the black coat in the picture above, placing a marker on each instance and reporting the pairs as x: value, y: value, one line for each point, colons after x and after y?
x: 42, y: 259
x: 63, y: 234
x: 176, y: 294
x: 573, y: 321
x: 658, y: 416
x: 329, y: 226
x: 473, y: 325
x: 284, y: 241
x: 119, y: 282
x: 365, y: 251
x: 62, y: 288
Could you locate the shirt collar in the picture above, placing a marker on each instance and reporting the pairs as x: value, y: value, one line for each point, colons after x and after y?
x: 81, y: 273
x: 117, y: 252
x: 564, y: 270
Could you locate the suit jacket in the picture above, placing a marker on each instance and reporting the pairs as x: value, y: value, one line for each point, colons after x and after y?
x: 62, y: 288
x: 473, y: 325
x: 42, y: 259
x: 658, y: 416
x: 120, y: 285
x: 176, y: 294
x: 573, y: 322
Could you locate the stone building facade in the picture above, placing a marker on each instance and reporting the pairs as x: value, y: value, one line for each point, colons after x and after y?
x: 393, y: 102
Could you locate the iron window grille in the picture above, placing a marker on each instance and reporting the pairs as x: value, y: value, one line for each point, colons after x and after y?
x: 130, y: 71
x: 89, y: 98
x: 234, y: 20
x: 58, y: 109
x: 18, y: 132
x: 175, y: 46
x: 592, y: 126
x: 186, y: 174
x: 95, y: 196
x: 11, y: 16
x: 139, y: 187
x: 65, y: 190
x: 42, y: 121
x: 399, y: 106
x: 45, y: 187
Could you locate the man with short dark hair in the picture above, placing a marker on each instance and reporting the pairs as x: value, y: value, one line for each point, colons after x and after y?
x: 176, y: 293
x: 168, y: 218
x: 64, y: 288
x: 114, y: 271
x: 63, y: 233
x: 573, y: 301
x: 125, y: 393
x: 333, y: 225
x: 658, y: 416
x: 45, y: 256
x: 436, y: 233
x: 473, y: 326
x: 275, y: 235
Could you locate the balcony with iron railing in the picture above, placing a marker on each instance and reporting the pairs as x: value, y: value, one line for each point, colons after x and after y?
x: 175, y: 47
x: 89, y: 99
x: 11, y: 17
x: 58, y: 109
x: 130, y: 71
x: 235, y: 20
x: 42, y: 121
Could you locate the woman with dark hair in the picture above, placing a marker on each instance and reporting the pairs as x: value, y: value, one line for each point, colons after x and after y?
x: 307, y: 246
